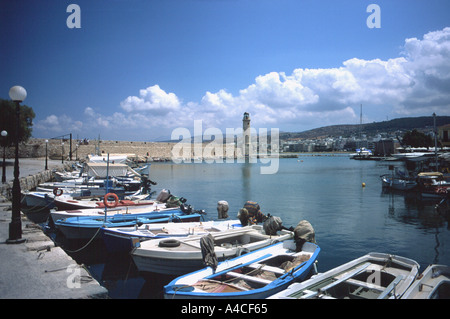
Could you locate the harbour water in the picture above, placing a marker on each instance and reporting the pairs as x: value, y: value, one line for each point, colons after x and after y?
x: 350, y: 219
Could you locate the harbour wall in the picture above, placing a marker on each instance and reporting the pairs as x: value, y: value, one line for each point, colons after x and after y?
x: 142, y: 151
x: 31, y: 173
x: 145, y: 151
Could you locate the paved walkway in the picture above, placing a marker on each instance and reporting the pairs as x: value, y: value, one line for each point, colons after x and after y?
x: 27, y: 166
x: 36, y: 268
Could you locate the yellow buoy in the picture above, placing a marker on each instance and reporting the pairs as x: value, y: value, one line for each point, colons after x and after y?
x: 363, y: 184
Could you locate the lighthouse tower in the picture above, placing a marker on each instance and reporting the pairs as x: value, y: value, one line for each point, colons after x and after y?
x: 247, y: 133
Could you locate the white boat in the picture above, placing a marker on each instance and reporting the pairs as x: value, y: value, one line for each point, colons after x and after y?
x: 124, y: 239
x: 46, y: 198
x: 373, y: 276
x: 63, y: 176
x: 413, y: 156
x: 397, y: 183
x: 88, y: 228
x: 100, y: 175
x: 255, y: 275
x: 184, y: 255
x: 433, y: 283
x: 432, y: 185
x: 70, y: 203
x: 121, y: 210
x: 361, y: 154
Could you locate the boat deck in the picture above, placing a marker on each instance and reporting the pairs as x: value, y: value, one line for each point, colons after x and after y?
x: 366, y: 280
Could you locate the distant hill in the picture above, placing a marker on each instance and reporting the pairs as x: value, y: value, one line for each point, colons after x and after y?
x: 424, y: 123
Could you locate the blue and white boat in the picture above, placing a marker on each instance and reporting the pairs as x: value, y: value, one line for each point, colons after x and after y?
x: 124, y: 239
x: 46, y: 198
x: 184, y: 255
x: 89, y: 227
x: 255, y: 275
x: 100, y: 212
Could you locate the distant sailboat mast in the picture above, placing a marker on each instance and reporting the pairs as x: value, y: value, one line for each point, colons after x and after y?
x: 360, y: 122
x: 360, y: 127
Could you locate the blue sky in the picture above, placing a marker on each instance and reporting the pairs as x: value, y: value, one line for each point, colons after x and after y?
x: 138, y: 69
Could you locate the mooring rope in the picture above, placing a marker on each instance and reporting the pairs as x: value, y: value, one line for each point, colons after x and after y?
x: 87, y: 244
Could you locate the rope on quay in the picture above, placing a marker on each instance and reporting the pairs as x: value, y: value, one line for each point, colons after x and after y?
x: 32, y: 209
x: 87, y: 244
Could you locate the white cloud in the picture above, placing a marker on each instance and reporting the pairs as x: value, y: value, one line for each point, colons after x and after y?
x: 428, y: 64
x: 58, y: 124
x: 152, y: 99
x: 416, y: 81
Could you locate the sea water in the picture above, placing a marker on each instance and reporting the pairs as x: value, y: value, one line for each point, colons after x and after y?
x: 342, y: 198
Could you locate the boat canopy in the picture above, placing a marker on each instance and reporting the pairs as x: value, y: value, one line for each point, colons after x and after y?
x: 430, y: 174
x: 113, y: 158
x: 100, y: 170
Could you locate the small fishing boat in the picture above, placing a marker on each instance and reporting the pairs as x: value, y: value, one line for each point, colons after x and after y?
x: 119, y: 210
x: 124, y: 239
x: 183, y: 255
x: 373, y: 276
x: 433, y: 283
x: 362, y: 154
x: 432, y: 185
x: 63, y: 176
x: 255, y: 275
x: 397, y: 183
x: 89, y: 227
x: 36, y: 199
x: 46, y: 197
x: 70, y: 203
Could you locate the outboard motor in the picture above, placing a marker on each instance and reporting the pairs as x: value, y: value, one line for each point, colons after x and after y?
x: 187, y: 209
x: 272, y: 225
x: 222, y: 209
x: 163, y: 196
x: 243, y: 216
x: 208, y: 254
x: 304, y: 232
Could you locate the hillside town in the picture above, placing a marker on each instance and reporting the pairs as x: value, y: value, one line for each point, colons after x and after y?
x: 381, y: 144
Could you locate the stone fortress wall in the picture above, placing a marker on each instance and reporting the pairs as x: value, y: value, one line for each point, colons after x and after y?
x: 35, y: 148
x: 142, y: 151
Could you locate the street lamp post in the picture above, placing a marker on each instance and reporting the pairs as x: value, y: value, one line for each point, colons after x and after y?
x: 4, y: 134
x: 46, y: 154
x: 17, y: 94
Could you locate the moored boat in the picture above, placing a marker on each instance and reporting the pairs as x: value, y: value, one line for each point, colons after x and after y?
x: 46, y: 197
x: 119, y: 210
x: 432, y: 185
x: 255, y: 275
x: 433, y: 283
x: 184, y: 255
x: 373, y: 276
x: 124, y: 239
x: 362, y: 154
x: 89, y: 227
x: 68, y: 203
x: 396, y: 183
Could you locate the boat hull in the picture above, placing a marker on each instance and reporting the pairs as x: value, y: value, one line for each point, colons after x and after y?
x: 81, y: 228
x: 38, y: 199
x: 398, y: 184
x: 123, y: 240
x: 187, y: 257
x: 434, y: 283
x: 191, y: 286
x: 71, y: 204
x: 373, y: 276
x: 97, y: 212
